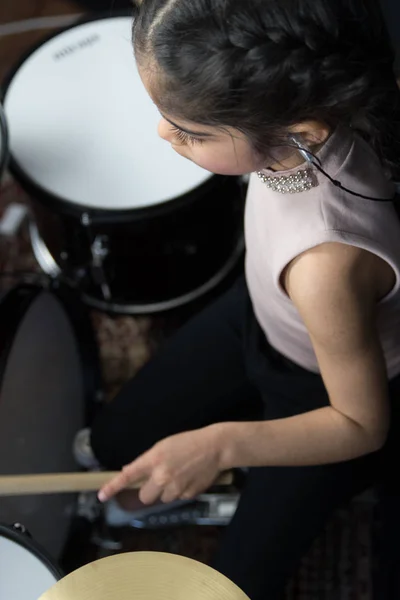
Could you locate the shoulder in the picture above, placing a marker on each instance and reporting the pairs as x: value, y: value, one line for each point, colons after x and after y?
x: 330, y: 268
x: 334, y: 286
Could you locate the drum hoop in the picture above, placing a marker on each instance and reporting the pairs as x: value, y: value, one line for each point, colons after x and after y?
x: 48, y: 198
x: 14, y: 306
x: 36, y: 549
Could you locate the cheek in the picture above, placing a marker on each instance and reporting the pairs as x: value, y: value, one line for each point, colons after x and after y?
x: 222, y: 161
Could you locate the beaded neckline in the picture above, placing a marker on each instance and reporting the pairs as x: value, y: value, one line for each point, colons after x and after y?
x: 301, y: 181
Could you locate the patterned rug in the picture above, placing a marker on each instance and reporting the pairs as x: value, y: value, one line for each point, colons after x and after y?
x: 339, y: 565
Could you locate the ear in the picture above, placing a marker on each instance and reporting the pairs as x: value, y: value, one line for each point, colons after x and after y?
x: 312, y: 132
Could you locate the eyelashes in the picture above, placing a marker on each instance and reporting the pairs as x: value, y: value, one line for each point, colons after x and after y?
x: 185, y: 138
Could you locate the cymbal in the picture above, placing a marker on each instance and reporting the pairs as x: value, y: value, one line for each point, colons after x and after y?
x: 145, y: 576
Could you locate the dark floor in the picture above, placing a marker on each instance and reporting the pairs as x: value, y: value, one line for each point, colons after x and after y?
x: 339, y: 564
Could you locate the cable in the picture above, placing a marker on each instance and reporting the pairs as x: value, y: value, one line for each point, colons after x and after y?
x: 313, y: 160
x: 338, y: 184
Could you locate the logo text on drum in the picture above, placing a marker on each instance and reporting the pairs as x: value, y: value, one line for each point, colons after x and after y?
x: 68, y: 50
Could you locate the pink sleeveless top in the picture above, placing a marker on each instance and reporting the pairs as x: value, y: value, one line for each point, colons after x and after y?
x: 279, y: 227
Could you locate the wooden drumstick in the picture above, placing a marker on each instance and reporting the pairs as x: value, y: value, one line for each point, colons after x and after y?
x: 56, y: 483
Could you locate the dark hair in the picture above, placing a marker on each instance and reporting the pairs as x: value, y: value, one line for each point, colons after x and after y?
x: 262, y: 65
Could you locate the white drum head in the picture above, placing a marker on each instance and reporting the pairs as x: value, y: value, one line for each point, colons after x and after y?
x: 23, y: 576
x: 83, y: 127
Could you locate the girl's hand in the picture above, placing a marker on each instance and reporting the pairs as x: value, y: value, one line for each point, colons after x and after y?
x: 178, y: 467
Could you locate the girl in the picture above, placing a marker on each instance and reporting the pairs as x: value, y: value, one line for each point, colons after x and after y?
x: 292, y: 373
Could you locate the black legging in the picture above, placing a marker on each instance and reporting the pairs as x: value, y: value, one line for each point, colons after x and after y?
x: 213, y: 370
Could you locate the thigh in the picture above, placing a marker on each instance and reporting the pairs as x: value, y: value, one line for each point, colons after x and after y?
x: 280, y: 513
x: 196, y: 379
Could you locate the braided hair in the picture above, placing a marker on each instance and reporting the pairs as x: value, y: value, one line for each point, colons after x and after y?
x: 260, y: 66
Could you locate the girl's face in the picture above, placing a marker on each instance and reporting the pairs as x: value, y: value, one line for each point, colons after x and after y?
x: 224, y: 151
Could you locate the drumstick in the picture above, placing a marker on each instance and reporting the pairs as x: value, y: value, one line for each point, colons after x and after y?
x: 56, y: 483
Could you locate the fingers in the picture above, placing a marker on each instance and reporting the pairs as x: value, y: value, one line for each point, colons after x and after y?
x: 190, y: 494
x: 171, y: 493
x: 130, y: 474
x: 150, y: 492
x: 162, y: 485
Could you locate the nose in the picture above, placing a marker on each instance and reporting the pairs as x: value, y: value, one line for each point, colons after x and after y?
x: 164, y: 130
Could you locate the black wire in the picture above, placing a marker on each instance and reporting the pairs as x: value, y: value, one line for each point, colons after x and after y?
x: 338, y: 184
x: 317, y: 164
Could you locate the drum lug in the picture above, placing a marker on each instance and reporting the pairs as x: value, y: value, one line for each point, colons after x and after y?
x: 99, y: 251
x: 100, y: 248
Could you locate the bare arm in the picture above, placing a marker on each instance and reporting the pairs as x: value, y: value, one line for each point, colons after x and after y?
x: 335, y: 290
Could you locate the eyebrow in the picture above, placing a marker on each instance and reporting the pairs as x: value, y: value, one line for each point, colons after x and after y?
x: 188, y: 131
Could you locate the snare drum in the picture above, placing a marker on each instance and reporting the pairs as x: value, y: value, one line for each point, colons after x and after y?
x: 26, y: 571
x: 117, y: 213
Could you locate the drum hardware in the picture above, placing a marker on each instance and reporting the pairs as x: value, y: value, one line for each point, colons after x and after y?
x: 12, y: 219
x: 42, y: 254
x: 106, y: 541
x: 88, y: 506
x: 105, y: 537
x: 21, y: 529
x: 47, y: 263
x: 99, y: 251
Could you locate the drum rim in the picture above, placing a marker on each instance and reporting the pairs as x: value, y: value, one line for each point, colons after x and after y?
x: 48, y: 198
x: 22, y: 539
x: 14, y: 305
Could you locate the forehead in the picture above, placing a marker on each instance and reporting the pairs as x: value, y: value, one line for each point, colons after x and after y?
x: 151, y: 78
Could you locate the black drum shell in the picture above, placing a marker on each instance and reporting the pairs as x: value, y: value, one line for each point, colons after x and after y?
x: 155, y: 255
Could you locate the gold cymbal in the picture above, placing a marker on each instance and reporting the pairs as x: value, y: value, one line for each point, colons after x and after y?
x: 145, y: 576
